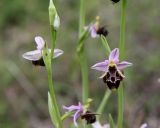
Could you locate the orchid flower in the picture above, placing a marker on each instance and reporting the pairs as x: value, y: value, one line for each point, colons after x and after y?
x: 79, y: 110
x: 144, y: 125
x: 98, y: 125
x: 112, y: 68
x: 96, y: 30
x: 36, y: 55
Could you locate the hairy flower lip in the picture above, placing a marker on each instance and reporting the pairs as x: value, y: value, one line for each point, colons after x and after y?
x: 89, y: 117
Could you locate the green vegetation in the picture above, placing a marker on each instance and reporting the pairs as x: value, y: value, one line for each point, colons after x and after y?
x: 23, y: 88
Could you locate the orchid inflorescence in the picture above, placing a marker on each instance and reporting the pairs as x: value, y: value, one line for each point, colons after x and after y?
x: 112, y: 68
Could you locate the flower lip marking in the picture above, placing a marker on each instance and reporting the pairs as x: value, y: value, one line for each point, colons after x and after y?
x: 113, y: 77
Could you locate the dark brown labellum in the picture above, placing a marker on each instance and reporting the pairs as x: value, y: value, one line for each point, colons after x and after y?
x: 102, y: 31
x: 39, y: 62
x: 115, y: 1
x: 89, y: 117
x: 113, y: 77
x: 112, y: 85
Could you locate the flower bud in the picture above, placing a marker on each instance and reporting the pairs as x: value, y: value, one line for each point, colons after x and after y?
x: 53, y: 16
x: 56, y: 22
x: 52, y: 11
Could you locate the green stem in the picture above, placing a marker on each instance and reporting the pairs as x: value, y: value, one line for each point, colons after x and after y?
x: 122, y: 48
x: 122, y: 28
x: 51, y: 85
x: 81, y: 16
x: 83, y: 60
x: 103, y: 103
x: 84, y: 70
x: 120, y: 106
x: 108, y: 92
x: 53, y: 97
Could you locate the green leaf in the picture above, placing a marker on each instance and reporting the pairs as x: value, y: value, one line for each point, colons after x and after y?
x: 51, y: 110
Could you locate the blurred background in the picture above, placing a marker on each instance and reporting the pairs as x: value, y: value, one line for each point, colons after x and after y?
x: 24, y: 87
